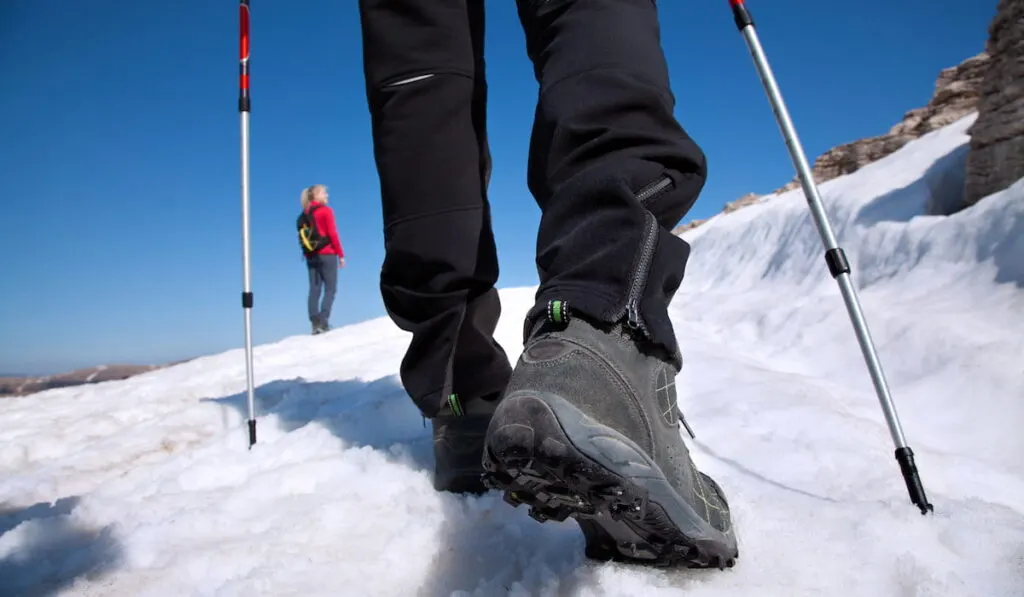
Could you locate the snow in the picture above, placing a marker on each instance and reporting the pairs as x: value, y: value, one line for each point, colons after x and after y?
x: 93, y: 375
x: 145, y: 487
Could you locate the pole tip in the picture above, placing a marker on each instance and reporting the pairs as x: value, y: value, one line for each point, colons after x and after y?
x: 905, y: 458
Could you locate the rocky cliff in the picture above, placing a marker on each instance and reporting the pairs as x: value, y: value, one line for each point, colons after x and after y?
x: 996, y: 157
x: 956, y: 95
x: 991, y: 81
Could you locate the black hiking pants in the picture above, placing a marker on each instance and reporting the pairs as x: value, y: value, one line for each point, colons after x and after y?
x: 610, y: 168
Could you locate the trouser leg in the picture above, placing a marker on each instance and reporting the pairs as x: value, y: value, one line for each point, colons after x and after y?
x: 329, y: 274
x: 607, y: 154
x: 423, y: 63
x: 315, y: 287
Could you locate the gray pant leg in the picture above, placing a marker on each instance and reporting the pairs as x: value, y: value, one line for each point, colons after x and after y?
x: 329, y: 275
x: 316, y: 283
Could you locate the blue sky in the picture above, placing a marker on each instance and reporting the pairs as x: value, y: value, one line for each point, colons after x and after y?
x: 120, y: 220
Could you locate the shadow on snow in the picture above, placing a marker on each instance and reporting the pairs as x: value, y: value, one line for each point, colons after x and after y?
x: 56, y: 551
x: 485, y: 545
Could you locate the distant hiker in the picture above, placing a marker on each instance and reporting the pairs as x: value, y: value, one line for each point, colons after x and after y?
x: 587, y: 424
x: 318, y: 237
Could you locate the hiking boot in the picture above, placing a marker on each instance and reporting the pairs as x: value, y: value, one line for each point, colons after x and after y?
x: 458, y: 432
x: 589, y: 429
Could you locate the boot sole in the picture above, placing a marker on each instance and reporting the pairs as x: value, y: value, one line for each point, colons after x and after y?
x: 544, y: 453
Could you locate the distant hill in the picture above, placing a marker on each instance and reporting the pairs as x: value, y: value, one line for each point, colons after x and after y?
x: 14, y: 385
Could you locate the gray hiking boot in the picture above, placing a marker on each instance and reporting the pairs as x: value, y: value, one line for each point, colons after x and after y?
x: 459, y: 431
x: 589, y: 428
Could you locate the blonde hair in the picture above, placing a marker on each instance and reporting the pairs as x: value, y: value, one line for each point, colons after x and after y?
x: 310, y: 192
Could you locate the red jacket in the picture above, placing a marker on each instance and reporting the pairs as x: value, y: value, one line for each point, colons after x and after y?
x: 324, y: 219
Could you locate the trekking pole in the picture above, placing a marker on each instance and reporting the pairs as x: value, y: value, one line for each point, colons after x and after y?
x: 243, y: 109
x: 835, y: 258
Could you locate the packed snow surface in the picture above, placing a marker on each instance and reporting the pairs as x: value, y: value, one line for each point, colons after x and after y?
x: 145, y: 487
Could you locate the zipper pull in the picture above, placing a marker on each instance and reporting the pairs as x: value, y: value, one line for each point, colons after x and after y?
x: 633, y: 315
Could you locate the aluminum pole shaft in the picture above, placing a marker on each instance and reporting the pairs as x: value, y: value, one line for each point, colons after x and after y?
x: 835, y: 257
x: 247, y: 296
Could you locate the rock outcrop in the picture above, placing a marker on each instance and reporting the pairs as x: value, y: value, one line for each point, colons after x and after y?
x: 996, y: 157
x: 957, y: 92
x: 748, y: 199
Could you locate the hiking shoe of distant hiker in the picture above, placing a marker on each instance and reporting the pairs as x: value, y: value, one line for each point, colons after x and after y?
x: 589, y: 429
x: 458, y: 433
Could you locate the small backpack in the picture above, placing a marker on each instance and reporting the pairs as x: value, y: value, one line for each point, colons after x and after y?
x: 309, y: 238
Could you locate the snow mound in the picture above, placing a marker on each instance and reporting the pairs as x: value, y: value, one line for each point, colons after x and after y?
x: 144, y: 487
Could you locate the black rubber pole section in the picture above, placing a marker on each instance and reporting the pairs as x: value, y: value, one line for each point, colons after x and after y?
x: 905, y: 457
x: 835, y: 258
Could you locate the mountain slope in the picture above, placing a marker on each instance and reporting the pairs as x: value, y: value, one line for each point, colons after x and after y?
x: 145, y: 487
